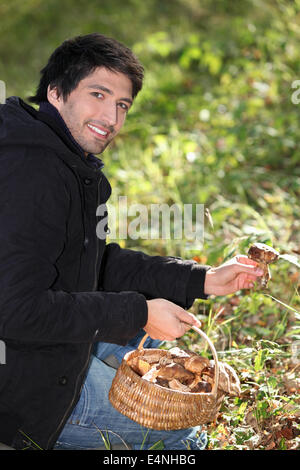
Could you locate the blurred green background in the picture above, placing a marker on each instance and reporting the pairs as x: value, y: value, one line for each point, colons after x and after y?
x: 214, y: 123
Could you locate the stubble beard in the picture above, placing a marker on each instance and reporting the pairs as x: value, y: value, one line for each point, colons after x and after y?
x: 78, y: 133
x: 86, y: 144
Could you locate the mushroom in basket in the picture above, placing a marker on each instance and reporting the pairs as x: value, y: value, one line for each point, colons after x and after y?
x: 185, y: 372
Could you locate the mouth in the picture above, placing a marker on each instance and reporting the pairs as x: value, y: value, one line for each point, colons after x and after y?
x: 100, y: 132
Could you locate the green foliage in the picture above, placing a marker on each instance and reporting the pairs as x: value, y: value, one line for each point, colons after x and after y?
x: 213, y: 125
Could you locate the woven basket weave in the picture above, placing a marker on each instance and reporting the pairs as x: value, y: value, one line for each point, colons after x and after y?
x: 160, y: 408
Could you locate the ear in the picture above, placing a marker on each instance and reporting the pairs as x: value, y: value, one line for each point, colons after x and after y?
x: 53, y: 97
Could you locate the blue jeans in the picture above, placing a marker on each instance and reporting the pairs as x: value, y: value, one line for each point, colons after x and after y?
x: 94, y: 423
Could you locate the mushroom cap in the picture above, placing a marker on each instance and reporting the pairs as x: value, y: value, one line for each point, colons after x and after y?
x: 177, y: 385
x: 196, y: 364
x: 263, y: 253
x: 174, y: 371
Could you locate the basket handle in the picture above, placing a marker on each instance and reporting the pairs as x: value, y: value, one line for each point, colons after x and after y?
x: 212, y: 348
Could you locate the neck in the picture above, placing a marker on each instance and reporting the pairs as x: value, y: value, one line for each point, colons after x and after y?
x: 48, y: 108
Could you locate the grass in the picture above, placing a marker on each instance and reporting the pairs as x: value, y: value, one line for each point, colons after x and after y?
x: 258, y: 335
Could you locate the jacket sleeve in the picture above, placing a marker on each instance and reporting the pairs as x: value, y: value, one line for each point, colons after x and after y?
x: 34, y: 211
x: 174, y: 279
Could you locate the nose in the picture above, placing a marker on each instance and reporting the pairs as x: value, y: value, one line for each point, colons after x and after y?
x: 109, y: 114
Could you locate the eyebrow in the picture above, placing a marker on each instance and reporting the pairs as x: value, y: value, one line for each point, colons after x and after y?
x: 107, y: 90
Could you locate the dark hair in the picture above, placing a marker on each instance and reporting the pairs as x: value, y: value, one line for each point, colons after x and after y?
x: 78, y: 57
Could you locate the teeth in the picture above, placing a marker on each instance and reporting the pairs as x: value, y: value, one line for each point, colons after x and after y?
x: 97, y: 130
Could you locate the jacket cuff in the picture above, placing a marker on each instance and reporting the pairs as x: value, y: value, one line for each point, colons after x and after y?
x: 139, y: 317
x: 195, y: 287
x: 127, y: 324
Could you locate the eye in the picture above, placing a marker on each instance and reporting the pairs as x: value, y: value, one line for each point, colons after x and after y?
x: 97, y: 94
x: 124, y: 106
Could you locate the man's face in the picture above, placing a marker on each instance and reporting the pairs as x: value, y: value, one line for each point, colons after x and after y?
x: 96, y: 110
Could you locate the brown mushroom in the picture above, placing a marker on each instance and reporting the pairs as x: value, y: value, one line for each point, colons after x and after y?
x: 177, y: 352
x: 162, y: 382
x: 176, y: 385
x: 151, y: 375
x: 196, y: 364
x: 209, y: 371
x: 164, y: 361
x: 263, y: 255
x: 201, y: 387
x: 154, y: 357
x: 179, y: 355
x: 134, y: 364
x: 174, y: 371
x: 192, y: 382
x: 139, y: 365
x: 185, y: 371
x: 199, y: 384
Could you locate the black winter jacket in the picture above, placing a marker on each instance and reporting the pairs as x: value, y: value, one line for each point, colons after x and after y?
x: 61, y: 287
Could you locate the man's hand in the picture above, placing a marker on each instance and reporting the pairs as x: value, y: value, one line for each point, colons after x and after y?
x: 168, y: 321
x: 238, y: 273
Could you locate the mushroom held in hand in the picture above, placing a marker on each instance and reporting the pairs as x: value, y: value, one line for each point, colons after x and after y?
x: 263, y: 255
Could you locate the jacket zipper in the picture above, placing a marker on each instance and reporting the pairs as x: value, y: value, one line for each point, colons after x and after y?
x: 97, y: 243
x: 96, y: 332
x: 75, y: 393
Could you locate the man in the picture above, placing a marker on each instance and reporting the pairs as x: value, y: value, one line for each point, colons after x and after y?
x: 69, y: 300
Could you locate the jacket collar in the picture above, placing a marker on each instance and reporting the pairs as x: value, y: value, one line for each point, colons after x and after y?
x: 70, y: 147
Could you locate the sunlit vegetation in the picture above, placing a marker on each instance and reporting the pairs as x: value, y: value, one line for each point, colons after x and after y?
x: 215, y: 125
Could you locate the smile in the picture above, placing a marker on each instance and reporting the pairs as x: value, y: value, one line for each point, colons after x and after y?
x: 99, y: 131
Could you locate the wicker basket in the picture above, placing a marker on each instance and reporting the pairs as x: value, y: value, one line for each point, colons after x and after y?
x: 157, y: 407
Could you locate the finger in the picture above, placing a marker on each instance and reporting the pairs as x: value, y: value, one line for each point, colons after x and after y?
x: 187, y: 317
x: 187, y: 326
x: 249, y: 268
x: 174, y: 331
x: 246, y: 281
x: 242, y: 259
x: 163, y: 336
x: 250, y: 277
x: 248, y: 285
x: 182, y: 329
